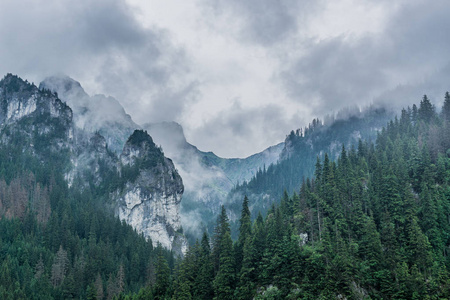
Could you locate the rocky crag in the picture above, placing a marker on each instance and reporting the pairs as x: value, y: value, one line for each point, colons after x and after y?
x: 140, y: 185
x: 150, y: 199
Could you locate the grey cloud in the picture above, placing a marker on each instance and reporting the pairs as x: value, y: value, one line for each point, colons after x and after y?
x: 264, y: 22
x: 249, y: 128
x: 95, y: 40
x: 405, y: 95
x: 334, y: 75
x: 346, y: 70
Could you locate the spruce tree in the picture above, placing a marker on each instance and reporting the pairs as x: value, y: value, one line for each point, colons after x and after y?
x: 245, y: 230
x: 426, y: 110
x: 225, y: 278
x: 203, y: 283
x: 446, y: 108
x: 221, y: 228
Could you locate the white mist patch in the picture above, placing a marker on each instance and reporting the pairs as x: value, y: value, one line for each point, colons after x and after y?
x: 97, y: 113
x: 192, y: 222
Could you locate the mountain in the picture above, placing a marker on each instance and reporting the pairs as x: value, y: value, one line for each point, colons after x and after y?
x: 151, y: 201
x: 140, y: 185
x: 93, y: 114
x: 301, y: 149
x: 79, y: 220
x: 371, y: 224
x: 208, y: 178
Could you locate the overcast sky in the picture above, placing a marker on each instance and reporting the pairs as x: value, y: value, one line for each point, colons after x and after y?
x: 237, y: 74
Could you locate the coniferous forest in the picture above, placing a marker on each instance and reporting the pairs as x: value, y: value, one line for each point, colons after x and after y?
x: 373, y: 224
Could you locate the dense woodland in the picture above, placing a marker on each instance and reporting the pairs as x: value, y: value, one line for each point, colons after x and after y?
x: 372, y: 224
x: 61, y: 242
x: 303, y: 145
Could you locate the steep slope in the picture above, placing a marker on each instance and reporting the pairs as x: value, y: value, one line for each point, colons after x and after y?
x: 300, y: 152
x: 150, y: 199
x: 93, y: 114
x: 207, y: 177
x: 36, y: 123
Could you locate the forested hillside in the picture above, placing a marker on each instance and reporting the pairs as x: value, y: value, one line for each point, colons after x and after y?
x: 374, y: 224
x: 302, y: 146
x: 371, y: 224
x: 59, y: 241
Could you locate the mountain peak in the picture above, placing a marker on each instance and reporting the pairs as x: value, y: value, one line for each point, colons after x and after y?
x: 139, y: 138
x: 64, y: 85
x: 140, y: 146
x: 93, y: 113
x: 14, y: 84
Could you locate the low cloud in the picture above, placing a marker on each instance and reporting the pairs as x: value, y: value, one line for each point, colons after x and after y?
x: 257, y: 51
x: 264, y: 22
x: 248, y: 128
x: 342, y: 71
x: 102, y: 45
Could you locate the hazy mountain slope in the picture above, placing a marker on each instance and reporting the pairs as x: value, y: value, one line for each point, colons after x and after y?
x: 207, y: 177
x: 141, y: 186
x: 93, y: 113
x: 300, y: 152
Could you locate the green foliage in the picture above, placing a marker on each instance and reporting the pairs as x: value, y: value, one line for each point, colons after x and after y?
x: 58, y: 242
x: 304, y: 147
x: 372, y: 224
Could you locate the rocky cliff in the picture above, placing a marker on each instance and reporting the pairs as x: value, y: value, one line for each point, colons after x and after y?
x: 207, y: 178
x: 151, y: 197
x: 140, y: 185
x: 98, y: 113
x: 34, y: 118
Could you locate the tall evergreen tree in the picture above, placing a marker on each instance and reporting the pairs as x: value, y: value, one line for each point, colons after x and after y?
x: 203, y: 284
x: 222, y: 227
x: 245, y: 230
x: 426, y: 110
x: 224, y: 281
x: 446, y: 108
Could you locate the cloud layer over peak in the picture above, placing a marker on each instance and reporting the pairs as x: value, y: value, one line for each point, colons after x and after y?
x: 281, y: 62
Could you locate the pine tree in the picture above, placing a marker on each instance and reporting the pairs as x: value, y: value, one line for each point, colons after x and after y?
x: 59, y: 267
x: 39, y: 269
x: 224, y: 281
x: 203, y: 283
x: 446, y: 108
x: 222, y: 227
x: 245, y: 230
x: 426, y: 110
x: 247, y: 276
x: 120, y: 280
x: 162, y: 285
x: 111, y: 287
x: 99, y: 287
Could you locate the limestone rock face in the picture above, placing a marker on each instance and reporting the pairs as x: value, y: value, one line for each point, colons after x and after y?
x: 137, y: 183
x: 19, y: 99
x: 38, y: 118
x: 150, y: 199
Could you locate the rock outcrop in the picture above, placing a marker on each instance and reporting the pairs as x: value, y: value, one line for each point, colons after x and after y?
x: 151, y: 197
x: 19, y: 99
x: 37, y: 118
x: 207, y: 178
x: 92, y: 114
x: 140, y: 185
